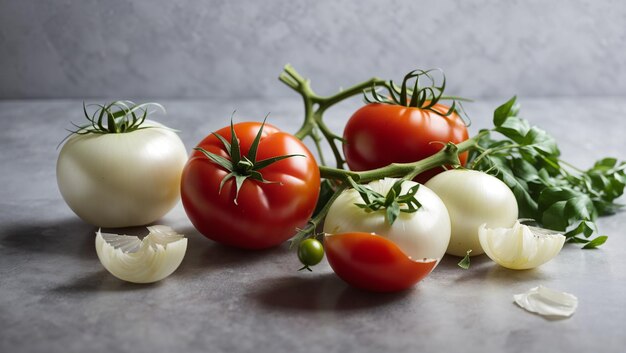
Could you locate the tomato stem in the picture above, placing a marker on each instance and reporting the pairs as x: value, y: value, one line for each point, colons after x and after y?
x: 315, y: 106
x: 447, y: 156
x: 311, y: 227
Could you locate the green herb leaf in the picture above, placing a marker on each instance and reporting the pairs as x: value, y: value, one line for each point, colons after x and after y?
x: 562, y: 207
x: 586, y: 228
x: 510, y: 108
x: 465, y: 261
x: 514, y: 128
x: 596, y: 242
x: 548, y: 189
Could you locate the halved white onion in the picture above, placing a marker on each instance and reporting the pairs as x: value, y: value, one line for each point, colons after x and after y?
x: 149, y: 260
x: 520, y: 247
x: 547, y: 302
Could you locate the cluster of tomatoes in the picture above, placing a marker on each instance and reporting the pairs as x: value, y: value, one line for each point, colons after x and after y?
x: 267, y: 213
x: 251, y: 185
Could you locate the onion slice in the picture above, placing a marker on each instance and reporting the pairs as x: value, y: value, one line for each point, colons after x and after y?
x: 520, y: 247
x: 149, y: 260
x: 547, y: 302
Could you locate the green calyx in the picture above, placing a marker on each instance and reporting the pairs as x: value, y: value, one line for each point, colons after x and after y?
x: 419, y: 89
x: 390, y: 202
x: 241, y: 167
x: 114, y: 118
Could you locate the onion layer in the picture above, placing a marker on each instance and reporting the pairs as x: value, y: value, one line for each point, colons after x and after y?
x: 520, y: 247
x: 149, y: 260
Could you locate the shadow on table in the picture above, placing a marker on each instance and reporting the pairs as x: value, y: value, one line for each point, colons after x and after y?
x: 324, y: 292
x: 71, y: 237
x: 482, y: 268
x: 101, y: 281
x: 206, y: 255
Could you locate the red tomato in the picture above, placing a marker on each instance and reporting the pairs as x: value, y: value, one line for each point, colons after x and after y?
x: 380, y: 134
x: 373, y: 262
x: 266, y: 214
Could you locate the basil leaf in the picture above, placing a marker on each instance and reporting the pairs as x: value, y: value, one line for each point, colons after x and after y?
x: 510, y: 108
x: 596, y: 242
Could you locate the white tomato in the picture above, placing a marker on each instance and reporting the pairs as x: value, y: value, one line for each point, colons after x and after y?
x: 423, y: 234
x: 122, y: 179
x: 473, y: 198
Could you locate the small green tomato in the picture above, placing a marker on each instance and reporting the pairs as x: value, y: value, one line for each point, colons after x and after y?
x: 310, y: 253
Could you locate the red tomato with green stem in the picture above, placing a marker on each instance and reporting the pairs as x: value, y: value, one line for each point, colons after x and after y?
x: 252, y: 192
x: 402, y: 127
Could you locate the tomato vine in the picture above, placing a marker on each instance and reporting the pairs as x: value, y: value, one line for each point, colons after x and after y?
x: 527, y: 159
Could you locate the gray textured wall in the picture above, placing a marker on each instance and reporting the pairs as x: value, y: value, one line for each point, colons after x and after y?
x: 166, y: 48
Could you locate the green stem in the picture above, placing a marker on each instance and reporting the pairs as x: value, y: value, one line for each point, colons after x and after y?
x: 309, y: 229
x: 447, y: 156
x: 486, y: 152
x: 351, y: 91
x: 316, y: 140
x: 315, y: 106
x: 571, y: 166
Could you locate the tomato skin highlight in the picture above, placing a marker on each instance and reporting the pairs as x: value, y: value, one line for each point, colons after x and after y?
x: 266, y: 214
x: 380, y: 134
x: 373, y: 262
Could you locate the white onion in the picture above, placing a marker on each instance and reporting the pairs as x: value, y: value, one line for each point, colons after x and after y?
x: 520, y: 247
x: 152, y: 259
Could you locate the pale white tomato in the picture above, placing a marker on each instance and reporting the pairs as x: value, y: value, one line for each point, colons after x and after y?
x: 122, y: 179
x: 423, y: 234
x: 473, y: 198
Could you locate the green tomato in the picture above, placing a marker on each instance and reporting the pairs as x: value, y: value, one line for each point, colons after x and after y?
x: 310, y: 252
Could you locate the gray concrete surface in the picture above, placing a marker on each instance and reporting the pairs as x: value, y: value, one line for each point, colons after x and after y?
x: 213, y: 48
x: 56, y: 297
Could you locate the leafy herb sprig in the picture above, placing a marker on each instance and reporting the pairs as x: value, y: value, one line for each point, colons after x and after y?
x: 548, y: 189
